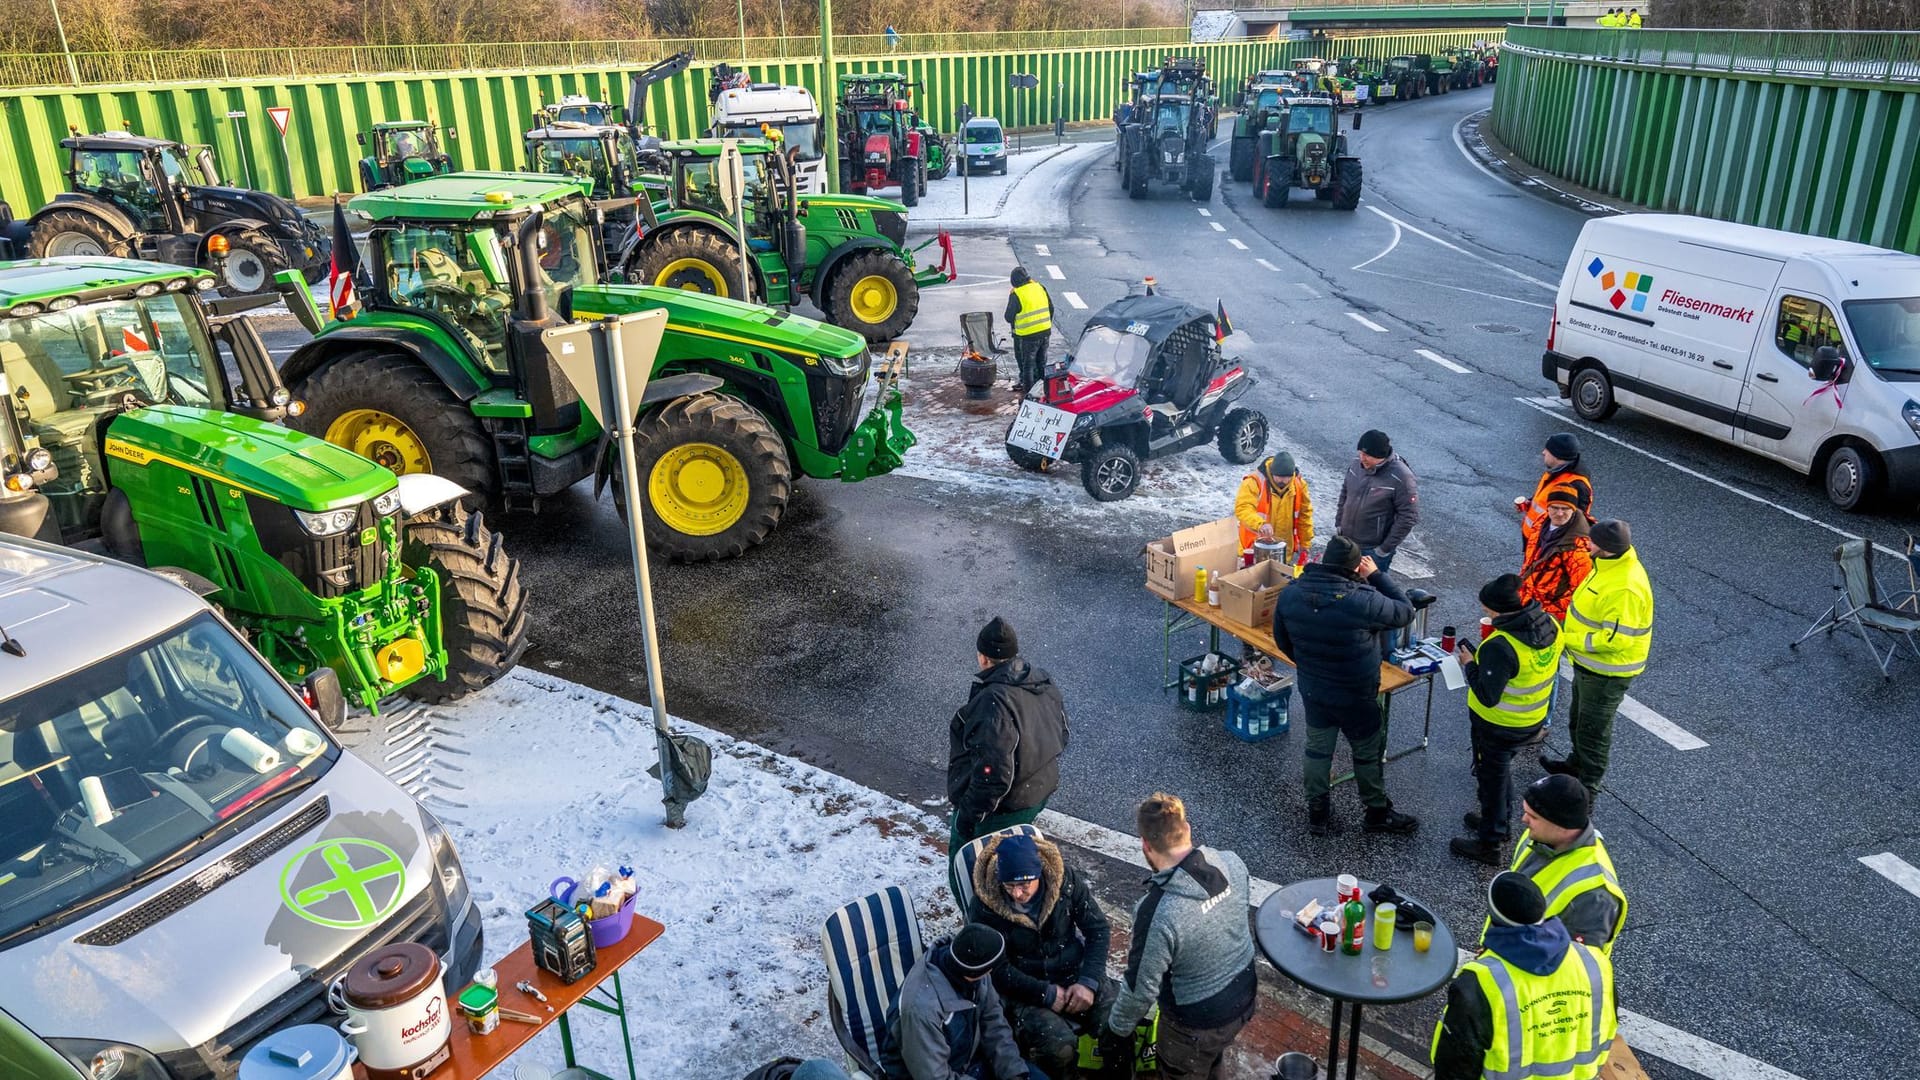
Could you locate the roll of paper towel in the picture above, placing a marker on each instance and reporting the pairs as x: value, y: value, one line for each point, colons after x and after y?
x: 94, y: 795
x: 247, y: 746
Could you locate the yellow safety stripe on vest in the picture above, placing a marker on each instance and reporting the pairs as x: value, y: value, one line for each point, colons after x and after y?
x: 1601, y: 667
x: 1616, y: 627
x: 1510, y: 997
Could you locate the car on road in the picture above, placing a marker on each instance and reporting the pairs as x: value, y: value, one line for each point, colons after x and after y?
x: 1799, y: 348
x: 984, y: 143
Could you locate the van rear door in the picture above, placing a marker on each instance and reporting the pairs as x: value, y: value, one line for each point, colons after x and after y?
x: 1785, y: 413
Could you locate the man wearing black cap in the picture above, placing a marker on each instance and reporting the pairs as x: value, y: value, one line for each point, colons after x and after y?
x: 1564, y: 855
x: 1380, y: 500
x: 947, y: 1022
x: 1608, y: 635
x: 1328, y: 622
x: 1004, y: 745
x: 1273, y: 504
x: 1534, y: 1004
x: 1561, y: 458
x: 1030, y: 313
x: 1509, y: 682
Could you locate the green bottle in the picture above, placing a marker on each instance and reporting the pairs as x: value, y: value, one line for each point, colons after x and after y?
x: 1353, y: 927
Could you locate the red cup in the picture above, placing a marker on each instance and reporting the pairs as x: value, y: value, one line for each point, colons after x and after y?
x: 1446, y: 640
x: 1486, y: 628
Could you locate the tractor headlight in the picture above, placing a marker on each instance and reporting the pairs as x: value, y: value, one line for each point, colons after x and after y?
x: 281, y: 397
x: 177, y: 284
x: 844, y: 366
x: 151, y: 288
x: 203, y: 284
x: 39, y: 460
x: 326, y: 522
x: 21, y: 311
x: 388, y: 503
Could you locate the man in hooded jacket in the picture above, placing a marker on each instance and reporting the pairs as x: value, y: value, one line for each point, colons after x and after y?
x: 1509, y: 683
x: 1004, y: 745
x: 1561, y: 556
x: 946, y: 1023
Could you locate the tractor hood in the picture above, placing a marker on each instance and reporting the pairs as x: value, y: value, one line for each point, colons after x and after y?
x: 264, y: 459
x: 229, y: 203
x: 724, y: 320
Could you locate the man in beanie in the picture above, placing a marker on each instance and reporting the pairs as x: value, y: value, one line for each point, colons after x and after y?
x: 1379, y: 501
x: 1054, y: 980
x: 1564, y: 855
x: 1273, y: 504
x: 1328, y: 622
x: 1534, y: 1004
x: 1561, y: 457
x: 1560, y: 557
x: 947, y: 1021
x: 1509, y: 682
x: 1608, y: 635
x: 1030, y: 313
x: 1004, y: 745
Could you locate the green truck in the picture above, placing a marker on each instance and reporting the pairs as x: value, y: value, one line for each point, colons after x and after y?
x: 446, y: 370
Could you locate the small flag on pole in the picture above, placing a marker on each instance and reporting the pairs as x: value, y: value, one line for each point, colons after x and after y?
x: 341, y: 300
x: 132, y: 342
x: 1221, y: 325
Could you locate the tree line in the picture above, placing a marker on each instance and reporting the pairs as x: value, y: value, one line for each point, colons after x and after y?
x: 1788, y: 14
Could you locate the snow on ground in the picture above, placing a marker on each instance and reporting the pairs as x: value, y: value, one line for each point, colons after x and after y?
x: 538, y: 777
x: 1042, y: 177
x: 1216, y: 26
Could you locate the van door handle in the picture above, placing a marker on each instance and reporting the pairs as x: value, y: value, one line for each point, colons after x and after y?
x: 1764, y: 377
x: 1723, y: 364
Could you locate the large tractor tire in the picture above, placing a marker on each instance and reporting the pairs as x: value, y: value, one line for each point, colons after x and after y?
x: 394, y: 411
x: 715, y: 475
x: 483, y: 606
x: 252, y: 260
x: 1240, y: 159
x: 873, y: 294
x: 1201, y: 186
x: 73, y: 232
x: 1138, y: 172
x: 912, y: 181
x: 699, y: 260
x: 1279, y: 183
x: 1346, y: 183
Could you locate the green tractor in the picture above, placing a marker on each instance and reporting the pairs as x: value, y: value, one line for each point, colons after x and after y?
x: 1465, y: 67
x: 606, y: 157
x: 1263, y: 100
x: 124, y: 431
x: 1304, y: 148
x: 446, y: 370
x: 1441, y: 74
x: 1406, y: 77
x: 1369, y: 83
x: 403, y: 151
x: 847, y: 253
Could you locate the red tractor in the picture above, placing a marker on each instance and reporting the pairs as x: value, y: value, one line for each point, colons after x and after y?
x: 874, y: 123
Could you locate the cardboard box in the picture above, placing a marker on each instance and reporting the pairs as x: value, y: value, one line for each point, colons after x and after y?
x: 1248, y: 596
x: 1172, y: 560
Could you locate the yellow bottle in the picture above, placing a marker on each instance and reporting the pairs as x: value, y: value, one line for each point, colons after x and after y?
x: 1200, y: 586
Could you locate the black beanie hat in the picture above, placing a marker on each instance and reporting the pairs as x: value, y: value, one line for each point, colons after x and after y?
x: 1560, y: 799
x: 1502, y: 594
x: 1343, y: 553
x: 997, y: 640
x: 1612, y: 536
x: 1564, y: 497
x: 1376, y: 444
x: 1020, y: 276
x: 1563, y: 446
x: 1017, y: 858
x: 977, y: 948
x: 1513, y: 898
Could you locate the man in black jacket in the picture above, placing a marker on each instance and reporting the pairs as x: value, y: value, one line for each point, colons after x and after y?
x: 1327, y: 621
x: 1379, y: 500
x: 1053, y: 981
x: 1004, y: 745
x: 1510, y: 683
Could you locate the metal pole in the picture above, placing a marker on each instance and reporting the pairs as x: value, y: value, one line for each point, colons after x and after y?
x: 829, y: 96
x: 73, y: 69
x: 622, y: 423
x: 740, y: 9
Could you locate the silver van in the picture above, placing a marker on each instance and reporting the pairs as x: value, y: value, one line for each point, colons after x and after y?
x: 187, y: 857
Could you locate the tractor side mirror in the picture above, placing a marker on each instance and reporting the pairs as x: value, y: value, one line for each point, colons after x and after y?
x: 267, y: 397
x: 321, y: 689
x: 362, y: 137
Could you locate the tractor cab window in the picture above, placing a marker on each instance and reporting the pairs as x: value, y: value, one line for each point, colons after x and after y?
x: 89, y: 358
x: 583, y: 157
x: 1172, y: 116
x: 1309, y: 118
x: 595, y: 114
x: 120, y: 177
x: 700, y: 189
x: 455, y: 273
x: 566, y: 253
x: 404, y: 144
x: 1269, y: 99
x: 1803, y: 327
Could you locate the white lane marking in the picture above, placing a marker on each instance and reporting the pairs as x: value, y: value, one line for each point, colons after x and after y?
x: 1894, y: 869
x: 1366, y: 322
x: 1217, y: 227
x: 1425, y: 284
x: 1553, y: 407
x: 1268, y: 265
x: 1236, y: 243
x: 1457, y: 369
x: 1043, y: 251
x: 1311, y: 291
x: 1461, y: 145
x: 1204, y: 212
x: 1451, y: 246
x: 1386, y: 251
x: 1056, y: 273
x: 1643, y: 1033
x: 1073, y: 298
x: 1652, y: 722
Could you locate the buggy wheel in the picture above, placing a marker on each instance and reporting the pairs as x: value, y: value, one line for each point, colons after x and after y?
x: 1243, y: 435
x: 1110, y: 473
x: 483, y: 606
x: 1026, y: 459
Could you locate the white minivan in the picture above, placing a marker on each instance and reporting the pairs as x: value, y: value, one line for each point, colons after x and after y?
x: 1801, y: 349
x: 984, y: 144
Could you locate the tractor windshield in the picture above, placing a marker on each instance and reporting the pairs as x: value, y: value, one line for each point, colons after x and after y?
x: 120, y: 176
x: 699, y: 188
x: 455, y: 273
x: 406, y: 143
x: 583, y: 156
x: 566, y: 252
x: 1310, y: 118
x: 595, y: 113
x: 1110, y: 356
x: 70, y: 366
x: 121, y: 771
x: 801, y: 138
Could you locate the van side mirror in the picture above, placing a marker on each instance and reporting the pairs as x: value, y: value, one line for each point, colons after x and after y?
x: 325, y: 698
x: 1827, y: 363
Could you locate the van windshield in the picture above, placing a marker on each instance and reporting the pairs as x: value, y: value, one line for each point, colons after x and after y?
x: 1887, y: 332
x: 128, y: 767
x: 984, y: 133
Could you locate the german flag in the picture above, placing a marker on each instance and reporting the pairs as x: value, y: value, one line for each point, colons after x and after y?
x: 1222, y: 326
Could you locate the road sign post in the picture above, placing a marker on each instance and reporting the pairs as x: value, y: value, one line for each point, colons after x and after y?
x: 240, y: 143
x: 963, y: 114
x: 280, y: 114
x: 1021, y: 80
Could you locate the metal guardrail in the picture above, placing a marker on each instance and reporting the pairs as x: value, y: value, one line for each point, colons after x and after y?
x: 1857, y: 57
x: 210, y: 65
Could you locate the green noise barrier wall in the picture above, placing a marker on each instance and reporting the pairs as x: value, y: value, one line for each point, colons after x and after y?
x: 483, y: 114
x: 1811, y: 133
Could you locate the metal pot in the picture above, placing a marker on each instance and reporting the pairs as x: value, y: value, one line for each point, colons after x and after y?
x: 396, y: 1011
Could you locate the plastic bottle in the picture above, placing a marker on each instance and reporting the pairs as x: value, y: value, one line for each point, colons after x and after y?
x: 1353, y: 927
x: 1200, y: 586
x: 1213, y: 590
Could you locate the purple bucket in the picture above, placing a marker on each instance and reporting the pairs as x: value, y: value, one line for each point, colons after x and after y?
x: 605, y: 931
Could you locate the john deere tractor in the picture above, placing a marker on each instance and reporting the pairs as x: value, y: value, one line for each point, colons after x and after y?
x: 1408, y: 77
x: 446, y: 369
x: 1166, y: 140
x: 403, y: 151
x: 1303, y: 148
x: 123, y: 430
x: 847, y: 253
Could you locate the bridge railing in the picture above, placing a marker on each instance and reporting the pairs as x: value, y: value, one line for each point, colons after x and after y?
x: 1889, y: 56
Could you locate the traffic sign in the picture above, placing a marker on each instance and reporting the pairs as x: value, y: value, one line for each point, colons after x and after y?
x: 236, y: 114
x: 1020, y: 80
x: 280, y: 114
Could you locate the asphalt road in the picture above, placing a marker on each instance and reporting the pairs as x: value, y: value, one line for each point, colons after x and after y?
x: 848, y: 638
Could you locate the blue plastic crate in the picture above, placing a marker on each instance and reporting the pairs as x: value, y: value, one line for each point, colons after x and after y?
x: 1255, y: 718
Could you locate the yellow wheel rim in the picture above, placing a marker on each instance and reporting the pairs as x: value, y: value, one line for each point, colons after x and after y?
x: 698, y: 489
x: 693, y: 275
x: 382, y: 437
x: 874, y: 299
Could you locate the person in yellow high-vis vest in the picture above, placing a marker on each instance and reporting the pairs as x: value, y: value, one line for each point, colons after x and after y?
x: 1565, y: 855
x: 1633, y: 19
x: 1608, y: 636
x: 1030, y: 311
x: 1534, y: 1004
x: 1509, y: 683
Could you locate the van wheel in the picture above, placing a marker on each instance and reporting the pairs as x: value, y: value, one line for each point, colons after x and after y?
x: 1853, y: 476
x: 1592, y: 394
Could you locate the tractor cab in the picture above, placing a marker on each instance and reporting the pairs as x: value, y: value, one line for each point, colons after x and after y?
x: 143, y: 178
x: 770, y: 207
x: 403, y: 151
x: 604, y: 156
x: 576, y: 109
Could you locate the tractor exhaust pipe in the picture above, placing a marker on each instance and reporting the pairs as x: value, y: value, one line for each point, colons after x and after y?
x: 555, y: 402
x: 526, y: 249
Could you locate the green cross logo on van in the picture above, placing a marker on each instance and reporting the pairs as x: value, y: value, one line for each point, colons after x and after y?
x: 344, y: 883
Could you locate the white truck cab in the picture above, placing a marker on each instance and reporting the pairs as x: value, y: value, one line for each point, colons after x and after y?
x: 739, y: 112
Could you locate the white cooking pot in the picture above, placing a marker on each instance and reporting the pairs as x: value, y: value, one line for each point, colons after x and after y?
x: 396, y: 1009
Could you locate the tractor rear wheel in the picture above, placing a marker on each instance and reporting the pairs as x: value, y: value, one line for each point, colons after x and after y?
x: 252, y: 260
x: 1346, y: 184
x: 716, y: 477
x: 73, y: 232
x: 698, y: 260
x: 873, y: 295
x: 1110, y: 473
x: 483, y: 605
x: 1279, y: 183
x: 399, y: 414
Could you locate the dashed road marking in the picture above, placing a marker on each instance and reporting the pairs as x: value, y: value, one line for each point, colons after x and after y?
x: 1056, y: 273
x: 1652, y: 722
x: 1308, y: 289
x: 1043, y: 251
x: 1217, y: 227
x: 1894, y: 869
x: 1204, y: 212
x: 1268, y: 265
x: 1457, y: 369
x: 1451, y: 246
x: 1366, y: 322
x: 1236, y: 243
x: 1073, y: 299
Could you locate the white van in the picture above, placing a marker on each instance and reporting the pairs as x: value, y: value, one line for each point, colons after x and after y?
x: 1801, y: 349
x: 984, y: 144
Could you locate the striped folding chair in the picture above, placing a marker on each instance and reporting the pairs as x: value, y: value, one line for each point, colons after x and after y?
x: 968, y: 857
x: 870, y: 945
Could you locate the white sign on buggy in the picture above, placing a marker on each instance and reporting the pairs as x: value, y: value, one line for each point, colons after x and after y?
x: 1042, y: 429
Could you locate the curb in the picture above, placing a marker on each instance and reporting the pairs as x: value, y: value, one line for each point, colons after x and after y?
x: 1494, y: 158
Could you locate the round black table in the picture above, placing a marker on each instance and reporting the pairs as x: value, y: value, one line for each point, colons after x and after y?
x: 1372, y: 978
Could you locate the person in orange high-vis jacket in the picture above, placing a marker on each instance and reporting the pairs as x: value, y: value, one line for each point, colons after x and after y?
x: 1561, y: 456
x: 1273, y: 504
x: 1560, y: 558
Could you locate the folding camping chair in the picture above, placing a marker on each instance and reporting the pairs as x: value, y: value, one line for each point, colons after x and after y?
x: 1862, y: 606
x: 968, y: 857
x: 870, y: 945
x: 977, y: 328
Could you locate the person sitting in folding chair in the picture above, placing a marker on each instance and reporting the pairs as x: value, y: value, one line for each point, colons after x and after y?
x: 1862, y: 606
x: 948, y: 1022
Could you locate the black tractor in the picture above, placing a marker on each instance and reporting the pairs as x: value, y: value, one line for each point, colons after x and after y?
x: 154, y: 199
x: 1303, y: 147
x: 1166, y: 139
x: 1409, y: 77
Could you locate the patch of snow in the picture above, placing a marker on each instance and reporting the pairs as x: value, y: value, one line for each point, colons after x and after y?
x: 1217, y: 26
x: 1043, y: 178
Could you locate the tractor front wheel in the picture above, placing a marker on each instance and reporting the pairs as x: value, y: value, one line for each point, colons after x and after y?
x: 73, y: 232
x: 483, y: 606
x: 1240, y: 159
x: 1279, y: 183
x: 694, y: 259
x: 1139, y: 170
x: 390, y: 409
x: 715, y: 475
x: 873, y: 294
x: 910, y: 182
x: 1346, y: 184
x: 252, y: 261
x: 1200, y: 185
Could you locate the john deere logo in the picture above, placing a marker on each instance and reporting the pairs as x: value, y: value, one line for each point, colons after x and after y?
x: 344, y: 883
